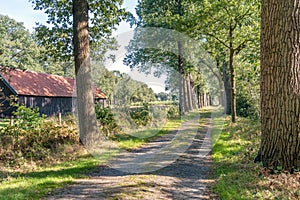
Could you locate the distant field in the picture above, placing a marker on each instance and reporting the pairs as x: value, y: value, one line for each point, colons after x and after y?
x: 156, y: 103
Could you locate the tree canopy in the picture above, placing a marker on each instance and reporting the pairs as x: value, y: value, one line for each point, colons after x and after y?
x: 57, y: 35
x: 17, y: 47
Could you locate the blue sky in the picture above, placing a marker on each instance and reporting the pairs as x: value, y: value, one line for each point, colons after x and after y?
x: 22, y: 11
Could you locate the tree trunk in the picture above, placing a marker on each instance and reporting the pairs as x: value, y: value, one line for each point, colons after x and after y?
x: 227, y: 89
x: 198, y: 95
x: 280, y: 67
x: 204, y: 99
x: 208, y: 99
x: 194, y: 101
x: 232, y: 77
x: 189, y: 94
x: 85, y: 97
x: 185, y: 96
x: 181, y: 80
x: 222, y: 94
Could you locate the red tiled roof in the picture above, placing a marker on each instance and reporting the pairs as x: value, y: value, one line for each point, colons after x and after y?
x: 42, y: 84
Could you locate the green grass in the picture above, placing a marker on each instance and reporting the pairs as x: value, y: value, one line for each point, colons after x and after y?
x: 233, y: 155
x: 238, y: 177
x: 35, y: 185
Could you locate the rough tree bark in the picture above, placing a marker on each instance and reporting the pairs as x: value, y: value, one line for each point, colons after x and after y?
x: 85, y: 97
x: 280, y: 100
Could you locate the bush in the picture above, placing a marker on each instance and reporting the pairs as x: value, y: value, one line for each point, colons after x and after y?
x: 106, y: 119
x: 33, y: 138
x: 28, y: 118
x: 141, y: 116
x: 246, y: 107
x: 173, y: 111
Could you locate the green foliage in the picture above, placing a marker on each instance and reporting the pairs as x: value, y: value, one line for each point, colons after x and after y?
x: 20, y: 49
x: 173, y: 112
x: 246, y: 106
x: 163, y: 14
x: 231, y: 28
x: 120, y: 87
x: 105, y: 15
x: 107, y: 121
x: 17, y: 48
x: 248, y: 84
x: 141, y: 116
x: 162, y: 96
x: 104, y: 79
x: 28, y: 118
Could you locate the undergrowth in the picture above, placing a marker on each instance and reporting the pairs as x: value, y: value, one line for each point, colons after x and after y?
x: 34, y: 140
x: 238, y: 177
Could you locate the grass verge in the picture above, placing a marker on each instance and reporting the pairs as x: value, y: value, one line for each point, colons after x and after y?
x: 238, y: 177
x: 42, y: 181
x: 35, y: 185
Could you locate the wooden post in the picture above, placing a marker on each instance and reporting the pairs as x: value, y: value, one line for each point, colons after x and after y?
x: 12, y: 121
x: 59, y: 118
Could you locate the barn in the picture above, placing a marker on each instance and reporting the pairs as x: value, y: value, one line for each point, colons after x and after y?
x: 52, y: 94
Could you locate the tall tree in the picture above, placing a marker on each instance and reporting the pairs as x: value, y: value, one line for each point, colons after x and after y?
x: 280, y: 84
x: 62, y: 15
x: 232, y: 24
x: 84, y: 83
x: 171, y: 14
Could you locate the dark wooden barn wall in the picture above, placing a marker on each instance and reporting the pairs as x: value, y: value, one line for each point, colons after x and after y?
x: 48, y: 105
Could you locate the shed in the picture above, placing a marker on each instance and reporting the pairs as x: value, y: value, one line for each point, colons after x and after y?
x: 52, y: 94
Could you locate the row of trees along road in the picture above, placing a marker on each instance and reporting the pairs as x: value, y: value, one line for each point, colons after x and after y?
x: 229, y: 28
x: 170, y: 15
x: 229, y: 31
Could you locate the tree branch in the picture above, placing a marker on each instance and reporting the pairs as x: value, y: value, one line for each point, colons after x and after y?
x: 220, y: 41
x: 241, y: 47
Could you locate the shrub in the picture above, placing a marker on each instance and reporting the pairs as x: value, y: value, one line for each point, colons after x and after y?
x: 33, y: 138
x: 173, y: 111
x: 141, y: 116
x: 106, y: 119
x: 28, y: 118
x: 246, y: 106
